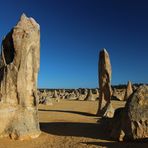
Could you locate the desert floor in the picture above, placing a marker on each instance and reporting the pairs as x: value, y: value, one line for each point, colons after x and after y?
x: 71, y: 124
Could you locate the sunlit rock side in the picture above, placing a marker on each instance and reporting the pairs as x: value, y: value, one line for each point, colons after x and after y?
x: 105, y: 108
x: 20, y: 60
x: 129, y: 90
x: 92, y: 97
x: 89, y: 96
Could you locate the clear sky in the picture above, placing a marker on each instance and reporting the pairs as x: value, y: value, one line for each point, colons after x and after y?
x: 74, y: 31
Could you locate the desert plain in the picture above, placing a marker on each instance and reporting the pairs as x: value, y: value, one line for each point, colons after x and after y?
x: 71, y: 124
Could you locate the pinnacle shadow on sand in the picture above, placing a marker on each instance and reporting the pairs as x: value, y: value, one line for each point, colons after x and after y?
x: 88, y: 130
x: 69, y: 111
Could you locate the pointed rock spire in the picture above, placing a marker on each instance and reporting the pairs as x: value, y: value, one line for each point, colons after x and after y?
x: 104, y: 71
x: 129, y: 90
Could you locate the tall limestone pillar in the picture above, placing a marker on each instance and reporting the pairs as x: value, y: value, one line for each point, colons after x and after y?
x: 19, y: 65
x: 104, y: 71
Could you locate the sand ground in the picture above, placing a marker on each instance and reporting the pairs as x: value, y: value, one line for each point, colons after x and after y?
x: 70, y: 124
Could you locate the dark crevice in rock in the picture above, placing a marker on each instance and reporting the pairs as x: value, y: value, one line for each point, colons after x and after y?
x: 8, y: 48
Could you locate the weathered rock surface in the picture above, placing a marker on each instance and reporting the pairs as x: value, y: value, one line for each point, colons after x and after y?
x: 129, y: 90
x: 89, y: 96
x: 77, y: 94
x: 18, y: 81
x: 96, y: 94
x: 55, y: 94
x: 48, y: 101
x: 131, y: 122
x: 118, y: 94
x: 104, y: 84
x: 71, y: 96
x: 83, y: 94
x: 62, y: 93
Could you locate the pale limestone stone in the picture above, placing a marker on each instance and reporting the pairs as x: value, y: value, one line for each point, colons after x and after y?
x: 105, y: 85
x: 129, y: 90
x: 20, y: 60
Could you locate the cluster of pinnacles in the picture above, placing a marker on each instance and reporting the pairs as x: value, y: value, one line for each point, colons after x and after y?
x: 19, y: 66
x: 131, y: 121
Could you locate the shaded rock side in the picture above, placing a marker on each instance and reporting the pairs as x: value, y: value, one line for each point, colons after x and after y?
x: 20, y: 60
x: 118, y: 94
x: 131, y: 122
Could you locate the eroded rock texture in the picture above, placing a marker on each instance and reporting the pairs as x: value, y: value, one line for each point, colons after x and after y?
x: 131, y: 122
x: 18, y: 80
x: 118, y: 94
x: 89, y: 96
x: 129, y: 90
x: 105, y: 108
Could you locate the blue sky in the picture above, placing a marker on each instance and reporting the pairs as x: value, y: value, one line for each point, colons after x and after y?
x: 74, y: 31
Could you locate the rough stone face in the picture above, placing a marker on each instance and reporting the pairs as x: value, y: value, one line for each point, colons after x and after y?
x: 89, y: 96
x: 18, y: 80
x: 48, y: 101
x: 55, y: 95
x: 83, y: 95
x: 96, y: 95
x: 118, y: 94
x: 71, y: 96
x: 131, y: 122
x: 77, y: 94
x: 105, y: 84
x: 62, y: 93
x: 129, y: 90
